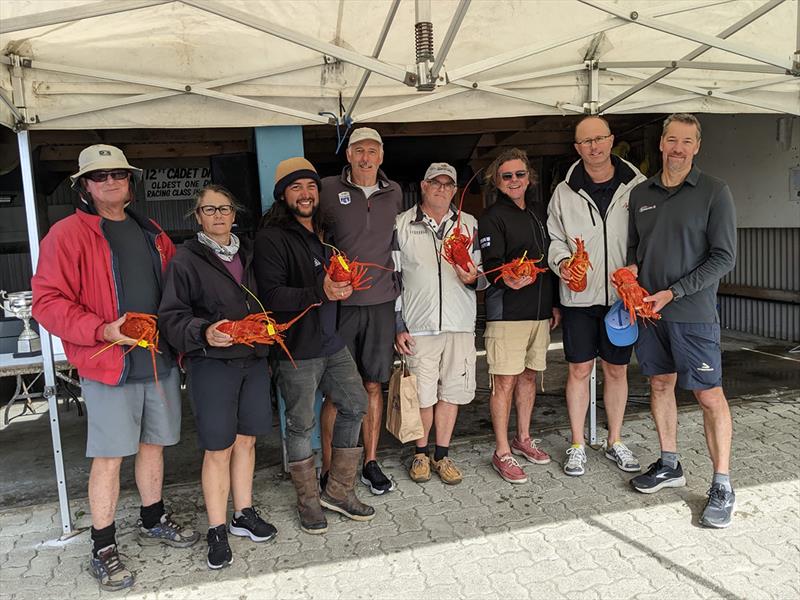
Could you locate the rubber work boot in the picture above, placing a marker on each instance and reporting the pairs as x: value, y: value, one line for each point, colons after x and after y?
x: 304, y: 478
x: 339, y: 494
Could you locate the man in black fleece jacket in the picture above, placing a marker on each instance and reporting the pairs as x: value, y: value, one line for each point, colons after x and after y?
x: 520, y: 312
x: 682, y: 238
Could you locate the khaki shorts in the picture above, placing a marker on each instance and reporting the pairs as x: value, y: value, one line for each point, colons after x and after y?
x: 513, y: 346
x: 444, y: 365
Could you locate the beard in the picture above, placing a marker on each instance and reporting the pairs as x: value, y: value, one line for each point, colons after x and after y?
x: 303, y: 212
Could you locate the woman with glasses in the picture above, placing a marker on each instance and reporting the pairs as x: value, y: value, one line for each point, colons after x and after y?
x: 210, y: 281
x: 520, y: 312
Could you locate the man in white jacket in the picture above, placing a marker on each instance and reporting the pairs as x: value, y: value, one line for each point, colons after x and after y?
x: 592, y: 204
x: 435, y: 316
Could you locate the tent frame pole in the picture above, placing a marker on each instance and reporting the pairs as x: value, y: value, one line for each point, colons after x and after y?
x: 26, y: 165
x: 449, y: 37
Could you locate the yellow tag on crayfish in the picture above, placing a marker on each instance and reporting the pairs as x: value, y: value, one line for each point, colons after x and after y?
x: 270, y: 329
x: 143, y: 343
x: 342, y: 262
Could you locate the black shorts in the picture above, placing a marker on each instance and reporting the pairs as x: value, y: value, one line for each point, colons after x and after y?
x: 229, y: 397
x: 692, y: 350
x: 368, y: 332
x: 585, y: 337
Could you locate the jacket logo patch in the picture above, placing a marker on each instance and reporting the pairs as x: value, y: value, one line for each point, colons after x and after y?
x: 344, y: 198
x: 646, y: 208
x: 104, y: 153
x: 486, y: 241
x: 316, y: 262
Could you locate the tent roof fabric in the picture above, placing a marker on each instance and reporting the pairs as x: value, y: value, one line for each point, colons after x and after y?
x: 245, y: 63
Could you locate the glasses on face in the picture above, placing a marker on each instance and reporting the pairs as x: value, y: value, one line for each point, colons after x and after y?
x: 101, y: 176
x: 508, y: 176
x: 595, y: 140
x: 208, y: 210
x: 438, y: 185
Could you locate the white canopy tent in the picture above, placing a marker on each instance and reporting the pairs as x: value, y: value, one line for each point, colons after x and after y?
x: 250, y: 63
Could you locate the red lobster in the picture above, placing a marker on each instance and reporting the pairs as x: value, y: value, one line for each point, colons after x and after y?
x: 354, y: 272
x: 519, y: 267
x: 578, y: 264
x: 260, y: 328
x: 142, y: 328
x: 632, y: 295
x: 457, y: 247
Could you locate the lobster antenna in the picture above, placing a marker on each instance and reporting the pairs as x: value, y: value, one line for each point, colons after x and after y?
x: 264, y: 310
x: 335, y: 249
x: 463, y: 193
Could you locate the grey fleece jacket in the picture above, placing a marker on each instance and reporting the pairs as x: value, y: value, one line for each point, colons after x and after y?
x: 683, y: 238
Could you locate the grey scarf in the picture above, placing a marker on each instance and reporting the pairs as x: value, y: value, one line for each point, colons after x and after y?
x: 225, y: 253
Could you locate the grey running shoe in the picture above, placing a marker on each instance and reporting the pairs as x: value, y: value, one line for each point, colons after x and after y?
x: 575, y: 461
x: 167, y: 532
x: 658, y: 476
x: 109, y: 571
x: 719, y: 508
x: 621, y: 455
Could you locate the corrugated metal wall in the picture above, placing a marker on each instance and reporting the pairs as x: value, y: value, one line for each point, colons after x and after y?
x: 767, y: 258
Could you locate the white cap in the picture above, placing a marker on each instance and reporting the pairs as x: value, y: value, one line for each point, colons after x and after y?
x: 101, y: 157
x: 441, y: 169
x: 364, y: 133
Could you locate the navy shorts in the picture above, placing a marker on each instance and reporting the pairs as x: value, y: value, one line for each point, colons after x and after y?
x: 585, y: 337
x: 368, y: 332
x: 691, y: 350
x: 229, y: 397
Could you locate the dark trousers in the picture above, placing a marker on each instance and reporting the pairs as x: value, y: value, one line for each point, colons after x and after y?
x: 335, y: 375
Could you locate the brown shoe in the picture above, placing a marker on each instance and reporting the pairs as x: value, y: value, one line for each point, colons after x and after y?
x: 447, y: 470
x: 339, y: 494
x: 304, y: 478
x: 420, y: 468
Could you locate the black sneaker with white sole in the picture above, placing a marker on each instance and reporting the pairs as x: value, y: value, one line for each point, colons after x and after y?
x: 251, y: 525
x: 658, y: 476
x: 719, y: 508
x: 219, y: 551
x: 375, y: 480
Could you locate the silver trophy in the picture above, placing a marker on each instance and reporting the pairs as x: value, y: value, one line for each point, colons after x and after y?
x: 18, y: 304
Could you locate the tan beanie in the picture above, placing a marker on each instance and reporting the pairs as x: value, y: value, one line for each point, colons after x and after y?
x: 291, y: 170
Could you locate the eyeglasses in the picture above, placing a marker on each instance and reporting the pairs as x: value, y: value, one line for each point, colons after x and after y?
x: 438, y: 185
x: 208, y: 210
x: 595, y: 140
x: 101, y: 176
x: 509, y: 176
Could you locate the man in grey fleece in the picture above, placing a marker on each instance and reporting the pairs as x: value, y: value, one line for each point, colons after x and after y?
x: 682, y: 239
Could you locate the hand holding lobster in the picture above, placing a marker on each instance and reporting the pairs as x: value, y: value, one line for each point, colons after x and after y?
x: 519, y: 272
x: 457, y: 248
x: 336, y: 290
x: 573, y: 270
x: 134, y: 329
x: 217, y: 338
x: 636, y: 299
x: 341, y: 269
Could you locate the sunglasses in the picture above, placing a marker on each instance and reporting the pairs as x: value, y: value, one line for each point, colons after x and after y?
x: 510, y: 176
x: 101, y: 176
x: 208, y: 210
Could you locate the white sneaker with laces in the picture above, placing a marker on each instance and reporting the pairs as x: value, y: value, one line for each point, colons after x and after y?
x: 575, y: 461
x: 621, y: 455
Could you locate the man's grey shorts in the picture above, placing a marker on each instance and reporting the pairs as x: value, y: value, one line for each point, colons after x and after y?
x: 121, y: 417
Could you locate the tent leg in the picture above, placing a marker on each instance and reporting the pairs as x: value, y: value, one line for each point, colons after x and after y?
x: 593, y: 406
x: 26, y: 164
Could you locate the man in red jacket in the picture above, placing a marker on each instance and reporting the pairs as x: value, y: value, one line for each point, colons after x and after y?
x: 95, y: 266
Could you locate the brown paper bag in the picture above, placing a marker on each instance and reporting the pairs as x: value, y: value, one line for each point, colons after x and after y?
x: 402, y: 415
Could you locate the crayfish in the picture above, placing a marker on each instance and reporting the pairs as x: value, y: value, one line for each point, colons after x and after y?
x: 354, y: 272
x: 577, y: 265
x: 632, y: 295
x: 260, y: 328
x: 519, y: 267
x: 457, y: 247
x: 142, y: 328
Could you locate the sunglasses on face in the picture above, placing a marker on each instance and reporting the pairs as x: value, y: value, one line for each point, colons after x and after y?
x: 101, y: 176
x: 208, y: 210
x: 509, y: 176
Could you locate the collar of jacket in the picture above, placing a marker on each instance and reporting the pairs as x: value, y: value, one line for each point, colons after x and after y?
x: 383, y: 181
x: 245, y: 251
x: 420, y: 216
x: 504, y: 200
x: 93, y: 221
x: 692, y: 178
x: 576, y: 176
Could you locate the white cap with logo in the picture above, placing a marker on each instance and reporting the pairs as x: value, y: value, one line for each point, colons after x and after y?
x: 101, y: 157
x: 364, y: 133
x: 441, y: 168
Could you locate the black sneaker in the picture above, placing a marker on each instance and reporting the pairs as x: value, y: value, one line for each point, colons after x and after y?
x: 375, y: 480
x: 219, y: 551
x: 658, y: 476
x: 251, y: 525
x: 719, y: 508
x: 109, y: 571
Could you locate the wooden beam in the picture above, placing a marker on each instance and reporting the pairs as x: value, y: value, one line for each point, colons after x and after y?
x: 163, y: 150
x: 757, y: 293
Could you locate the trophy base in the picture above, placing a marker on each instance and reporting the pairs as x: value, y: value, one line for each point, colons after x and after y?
x: 27, y: 354
x: 29, y: 345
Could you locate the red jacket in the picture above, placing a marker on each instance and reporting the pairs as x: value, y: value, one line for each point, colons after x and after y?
x: 74, y: 294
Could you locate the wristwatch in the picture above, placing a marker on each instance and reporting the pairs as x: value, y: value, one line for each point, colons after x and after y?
x: 676, y: 294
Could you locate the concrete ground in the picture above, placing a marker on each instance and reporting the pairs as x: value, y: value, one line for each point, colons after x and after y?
x: 554, y: 537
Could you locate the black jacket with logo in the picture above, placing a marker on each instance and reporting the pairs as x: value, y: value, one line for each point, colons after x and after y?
x: 199, y: 291
x: 506, y: 232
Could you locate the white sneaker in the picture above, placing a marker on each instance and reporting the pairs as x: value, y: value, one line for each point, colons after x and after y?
x: 575, y: 461
x: 621, y: 455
